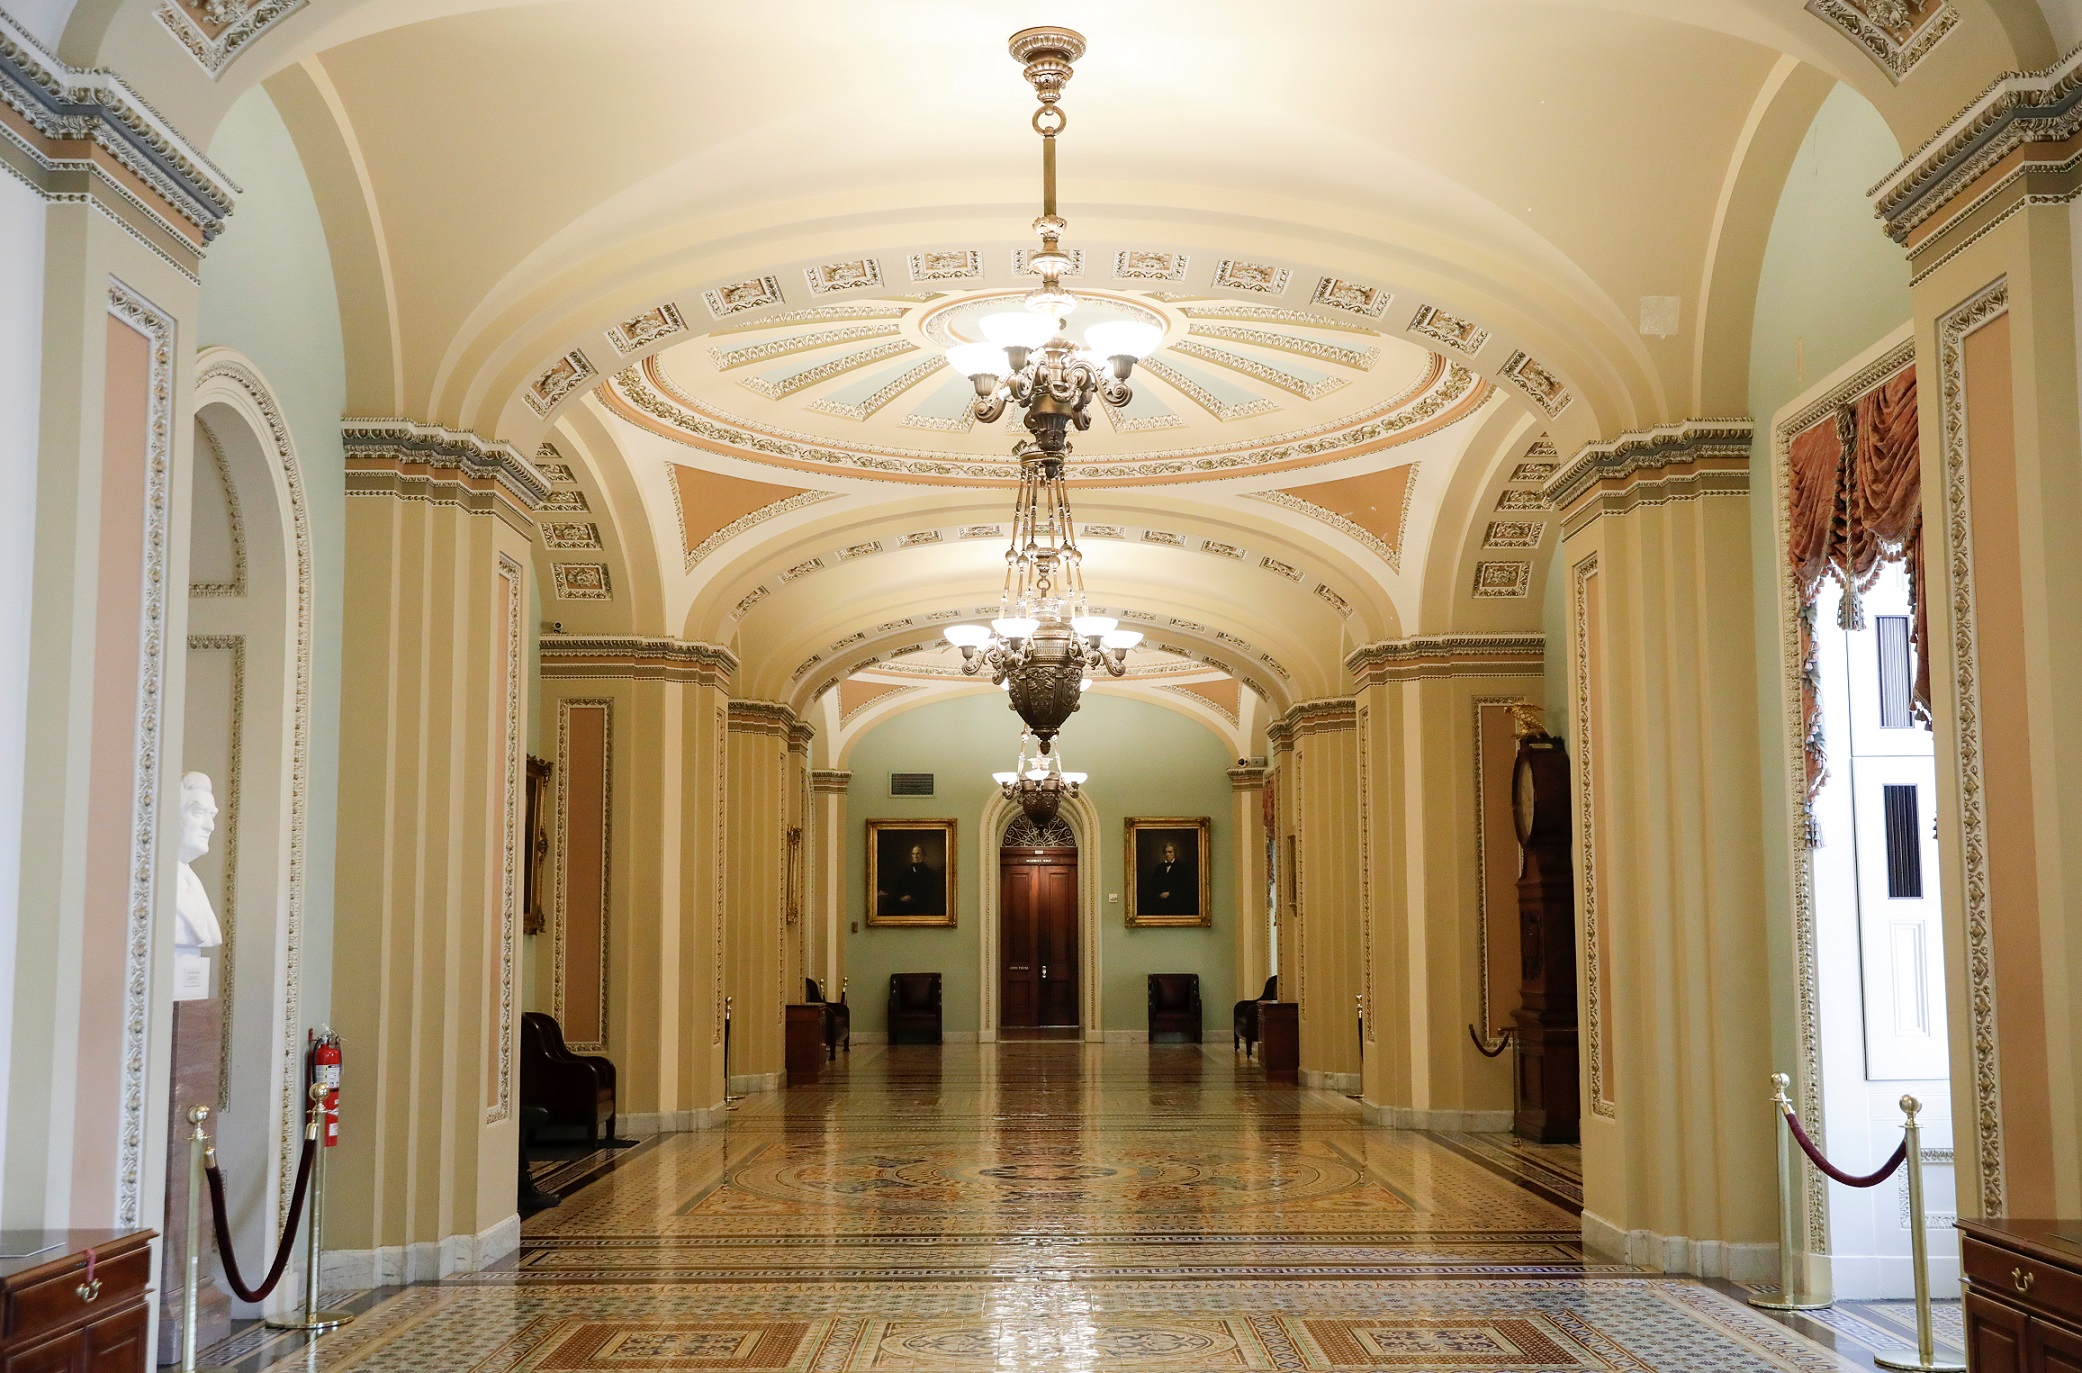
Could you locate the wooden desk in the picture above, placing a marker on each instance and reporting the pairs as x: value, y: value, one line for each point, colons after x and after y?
x: 51, y: 1325
x: 2023, y: 1294
x: 805, y: 1043
x: 1279, y: 1038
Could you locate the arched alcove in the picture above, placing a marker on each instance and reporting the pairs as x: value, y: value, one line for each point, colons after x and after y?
x: 246, y: 725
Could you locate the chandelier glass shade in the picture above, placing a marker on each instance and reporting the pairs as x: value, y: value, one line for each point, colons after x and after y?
x: 1040, y: 786
x: 1046, y: 638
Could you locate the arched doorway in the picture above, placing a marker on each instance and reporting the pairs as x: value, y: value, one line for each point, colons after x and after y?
x: 1081, y: 821
x: 1037, y: 931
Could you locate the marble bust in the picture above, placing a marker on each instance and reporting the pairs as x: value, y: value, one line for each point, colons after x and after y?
x: 195, y: 919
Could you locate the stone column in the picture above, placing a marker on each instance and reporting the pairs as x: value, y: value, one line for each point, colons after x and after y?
x: 761, y: 770
x: 635, y: 878
x: 1440, y: 867
x: 827, y: 913
x: 1317, y: 747
x: 1991, y: 247
x: 426, y: 934
x: 1253, y: 929
x: 1672, y: 941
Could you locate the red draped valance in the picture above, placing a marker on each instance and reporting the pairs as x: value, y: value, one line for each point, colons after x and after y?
x: 1855, y: 497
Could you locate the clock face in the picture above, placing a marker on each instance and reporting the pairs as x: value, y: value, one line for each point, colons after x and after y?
x: 1523, y: 798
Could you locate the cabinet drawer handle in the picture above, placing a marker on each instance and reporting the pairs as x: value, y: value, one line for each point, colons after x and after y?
x: 2022, y: 1279
x: 89, y: 1290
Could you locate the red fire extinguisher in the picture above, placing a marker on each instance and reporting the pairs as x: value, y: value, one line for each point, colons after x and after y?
x: 325, y: 1071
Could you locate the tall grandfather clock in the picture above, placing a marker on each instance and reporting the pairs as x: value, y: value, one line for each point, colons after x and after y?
x: 1548, y: 1099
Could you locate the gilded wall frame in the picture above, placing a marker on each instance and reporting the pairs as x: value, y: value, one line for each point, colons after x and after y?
x: 1147, y: 837
x: 904, y: 892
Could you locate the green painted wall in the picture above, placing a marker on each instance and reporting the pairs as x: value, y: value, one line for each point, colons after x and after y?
x: 1143, y: 760
x: 1832, y: 285
x: 267, y: 290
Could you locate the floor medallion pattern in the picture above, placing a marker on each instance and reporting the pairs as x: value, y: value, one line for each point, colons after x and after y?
x: 1063, y: 1208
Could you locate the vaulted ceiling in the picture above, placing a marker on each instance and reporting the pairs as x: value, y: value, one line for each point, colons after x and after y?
x: 700, y: 257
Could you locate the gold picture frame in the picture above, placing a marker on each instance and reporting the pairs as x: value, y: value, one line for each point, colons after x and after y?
x: 911, y: 871
x: 1151, y: 905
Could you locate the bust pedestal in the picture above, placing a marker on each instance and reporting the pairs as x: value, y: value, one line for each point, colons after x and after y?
x: 198, y: 1035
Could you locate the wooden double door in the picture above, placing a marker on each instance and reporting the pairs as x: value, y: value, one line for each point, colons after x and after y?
x: 1037, y: 939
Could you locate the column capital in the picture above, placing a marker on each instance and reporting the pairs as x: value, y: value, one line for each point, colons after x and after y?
x: 833, y: 780
x: 1447, y: 655
x: 2015, y: 145
x: 764, y: 717
x: 1330, y: 715
x: 1670, y: 462
x: 634, y: 658
x: 426, y: 462
x: 1248, y: 776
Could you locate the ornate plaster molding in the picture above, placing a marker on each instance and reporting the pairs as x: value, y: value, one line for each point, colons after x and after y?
x: 513, y: 750
x: 1428, y: 656
x: 1681, y: 461
x: 635, y: 658
x: 215, y: 31
x: 138, y: 313
x: 1984, y: 1050
x: 426, y: 462
x: 1330, y: 715
x: 86, y: 137
x: 1389, y: 553
x: 1248, y: 777
x: 1895, y: 34
x: 2018, y: 143
x: 833, y: 781
x: 1603, y: 1100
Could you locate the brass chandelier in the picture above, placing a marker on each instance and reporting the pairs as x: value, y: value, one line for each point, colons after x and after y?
x: 1039, y: 787
x: 1046, y: 638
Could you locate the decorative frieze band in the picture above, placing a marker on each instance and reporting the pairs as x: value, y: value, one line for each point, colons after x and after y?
x: 1248, y: 778
x: 1448, y: 655
x: 1670, y: 462
x: 830, y: 780
x: 631, y: 658
x: 84, y: 136
x: 410, y: 461
x: 2018, y: 144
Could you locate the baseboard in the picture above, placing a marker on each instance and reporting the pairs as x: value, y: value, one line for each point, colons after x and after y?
x: 1464, y: 1122
x: 1681, y: 1254
x: 395, y: 1265
x: 744, y: 1084
x: 1324, y: 1081
x: 1126, y: 1037
x: 669, y: 1122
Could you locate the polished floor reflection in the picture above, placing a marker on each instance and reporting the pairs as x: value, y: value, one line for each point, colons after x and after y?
x: 1064, y: 1207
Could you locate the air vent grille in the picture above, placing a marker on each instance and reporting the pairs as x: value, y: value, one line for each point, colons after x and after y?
x: 910, y: 784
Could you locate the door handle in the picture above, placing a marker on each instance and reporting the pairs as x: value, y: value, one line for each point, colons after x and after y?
x: 2022, y: 1279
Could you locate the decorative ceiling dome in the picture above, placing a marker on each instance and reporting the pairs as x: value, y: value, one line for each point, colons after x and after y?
x: 861, y: 387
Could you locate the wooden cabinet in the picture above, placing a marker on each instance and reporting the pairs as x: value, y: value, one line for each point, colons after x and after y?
x: 1279, y: 1037
x: 804, y: 1044
x: 2023, y: 1295
x: 55, y: 1321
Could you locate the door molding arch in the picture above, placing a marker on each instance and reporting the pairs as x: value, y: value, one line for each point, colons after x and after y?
x: 1084, y: 823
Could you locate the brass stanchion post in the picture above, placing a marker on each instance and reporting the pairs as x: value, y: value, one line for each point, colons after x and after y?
x: 197, y: 1143
x: 729, y: 1101
x: 1788, y: 1210
x: 1924, y: 1358
x: 314, y: 1204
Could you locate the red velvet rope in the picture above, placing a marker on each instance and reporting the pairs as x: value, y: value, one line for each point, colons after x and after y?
x: 296, y: 1212
x: 1807, y: 1146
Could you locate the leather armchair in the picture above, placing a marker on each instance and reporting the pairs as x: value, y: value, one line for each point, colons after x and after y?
x: 1174, y: 1006
x: 575, y: 1089
x: 838, y: 1018
x: 914, y: 1008
x: 1244, y: 1023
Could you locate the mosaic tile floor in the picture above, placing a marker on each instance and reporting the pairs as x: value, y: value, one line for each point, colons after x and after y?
x: 1060, y: 1207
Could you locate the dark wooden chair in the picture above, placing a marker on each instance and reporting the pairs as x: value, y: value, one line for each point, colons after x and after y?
x: 1174, y: 1007
x: 914, y: 1008
x: 838, y: 1018
x: 1244, y: 1020
x: 575, y: 1089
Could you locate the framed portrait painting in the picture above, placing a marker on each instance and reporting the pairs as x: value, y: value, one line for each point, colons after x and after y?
x: 910, y: 872
x: 1168, y: 863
